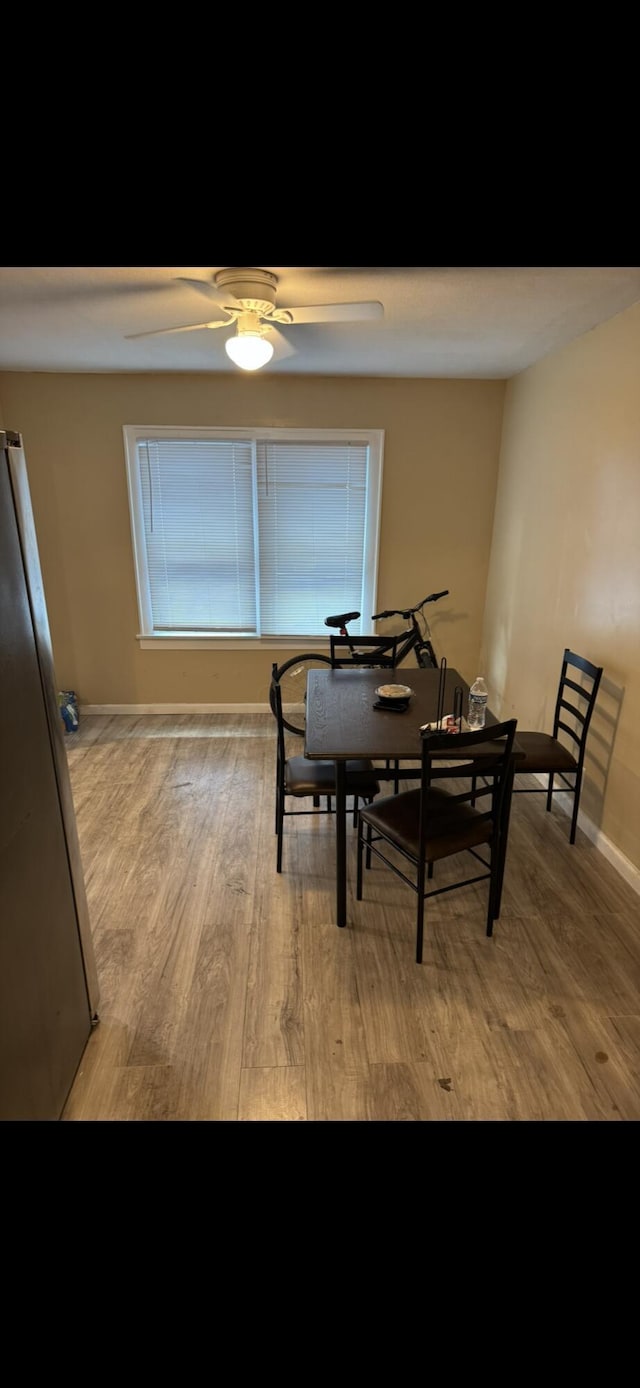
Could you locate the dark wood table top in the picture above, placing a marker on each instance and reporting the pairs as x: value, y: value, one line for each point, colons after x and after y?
x: 341, y: 722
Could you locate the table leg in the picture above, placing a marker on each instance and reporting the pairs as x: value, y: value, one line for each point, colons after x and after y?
x: 341, y: 842
x: 504, y: 830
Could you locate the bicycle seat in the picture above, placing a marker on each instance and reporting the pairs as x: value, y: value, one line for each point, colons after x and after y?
x: 341, y: 620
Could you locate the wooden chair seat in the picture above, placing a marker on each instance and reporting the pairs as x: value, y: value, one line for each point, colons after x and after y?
x: 305, y: 777
x: 543, y: 753
x: 452, y: 827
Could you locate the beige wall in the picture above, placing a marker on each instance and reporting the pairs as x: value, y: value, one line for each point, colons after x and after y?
x: 442, y: 443
x: 565, y: 561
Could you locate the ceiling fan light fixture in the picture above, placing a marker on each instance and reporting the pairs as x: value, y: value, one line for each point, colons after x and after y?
x: 249, y: 350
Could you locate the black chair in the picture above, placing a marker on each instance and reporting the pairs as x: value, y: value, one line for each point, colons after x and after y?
x: 303, y: 778
x: 367, y: 651
x: 427, y: 824
x: 547, y: 753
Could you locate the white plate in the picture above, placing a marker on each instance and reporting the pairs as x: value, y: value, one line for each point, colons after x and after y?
x: 394, y: 691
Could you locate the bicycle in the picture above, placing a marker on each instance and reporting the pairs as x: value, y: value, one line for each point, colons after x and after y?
x: 292, y: 676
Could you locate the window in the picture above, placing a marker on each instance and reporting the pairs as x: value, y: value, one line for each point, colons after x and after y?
x: 252, y: 534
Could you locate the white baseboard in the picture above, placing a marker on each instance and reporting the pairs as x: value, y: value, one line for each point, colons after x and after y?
x: 174, y: 708
x: 622, y: 864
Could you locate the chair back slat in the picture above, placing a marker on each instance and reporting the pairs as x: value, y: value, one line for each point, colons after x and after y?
x: 580, y: 662
x: 578, y: 688
x: 372, y: 651
x: 575, y: 733
x: 576, y: 712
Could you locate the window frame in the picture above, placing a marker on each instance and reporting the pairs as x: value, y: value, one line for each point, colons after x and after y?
x: 134, y: 433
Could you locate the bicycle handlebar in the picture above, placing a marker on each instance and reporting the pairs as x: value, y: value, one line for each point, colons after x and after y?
x: 407, y: 612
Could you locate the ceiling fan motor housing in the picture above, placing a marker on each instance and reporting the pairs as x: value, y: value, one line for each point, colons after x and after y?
x: 254, y: 289
x: 251, y: 307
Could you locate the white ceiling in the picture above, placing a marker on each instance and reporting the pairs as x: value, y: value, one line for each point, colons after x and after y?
x: 482, y: 321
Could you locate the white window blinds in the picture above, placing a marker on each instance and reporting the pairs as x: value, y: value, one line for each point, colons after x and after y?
x: 243, y: 533
x: 197, y: 499
x: 311, y: 510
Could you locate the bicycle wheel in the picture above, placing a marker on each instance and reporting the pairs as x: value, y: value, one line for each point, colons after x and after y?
x: 292, y: 678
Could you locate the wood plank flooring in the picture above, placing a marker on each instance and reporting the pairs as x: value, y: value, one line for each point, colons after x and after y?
x: 228, y: 994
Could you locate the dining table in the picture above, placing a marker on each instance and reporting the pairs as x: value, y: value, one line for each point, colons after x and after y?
x: 343, y: 722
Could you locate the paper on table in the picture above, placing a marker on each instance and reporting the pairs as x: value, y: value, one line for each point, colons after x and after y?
x: 447, y: 724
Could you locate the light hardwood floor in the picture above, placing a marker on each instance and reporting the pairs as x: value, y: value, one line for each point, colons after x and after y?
x: 228, y: 994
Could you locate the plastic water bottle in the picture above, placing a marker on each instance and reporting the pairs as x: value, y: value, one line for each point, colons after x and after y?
x: 478, y: 695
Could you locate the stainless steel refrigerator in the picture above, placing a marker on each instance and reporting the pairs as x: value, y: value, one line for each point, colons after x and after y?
x: 48, y: 979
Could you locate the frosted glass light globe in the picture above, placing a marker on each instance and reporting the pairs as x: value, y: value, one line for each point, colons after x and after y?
x: 249, y: 350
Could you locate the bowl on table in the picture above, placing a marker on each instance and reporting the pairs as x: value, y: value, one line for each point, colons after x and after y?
x: 393, y: 694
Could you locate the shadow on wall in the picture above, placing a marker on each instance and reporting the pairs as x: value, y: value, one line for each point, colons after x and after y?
x: 600, y: 744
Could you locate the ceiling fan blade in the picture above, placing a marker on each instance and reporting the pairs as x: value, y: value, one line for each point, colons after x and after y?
x: 337, y: 313
x: 209, y: 290
x: 188, y: 328
x: 281, y: 348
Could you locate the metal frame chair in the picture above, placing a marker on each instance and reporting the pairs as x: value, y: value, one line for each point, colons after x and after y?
x: 303, y: 778
x: 547, y: 753
x: 427, y: 824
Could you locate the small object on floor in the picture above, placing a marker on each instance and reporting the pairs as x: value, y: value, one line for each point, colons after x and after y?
x: 68, y: 704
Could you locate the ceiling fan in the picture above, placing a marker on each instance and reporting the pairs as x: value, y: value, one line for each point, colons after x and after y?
x: 247, y: 297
